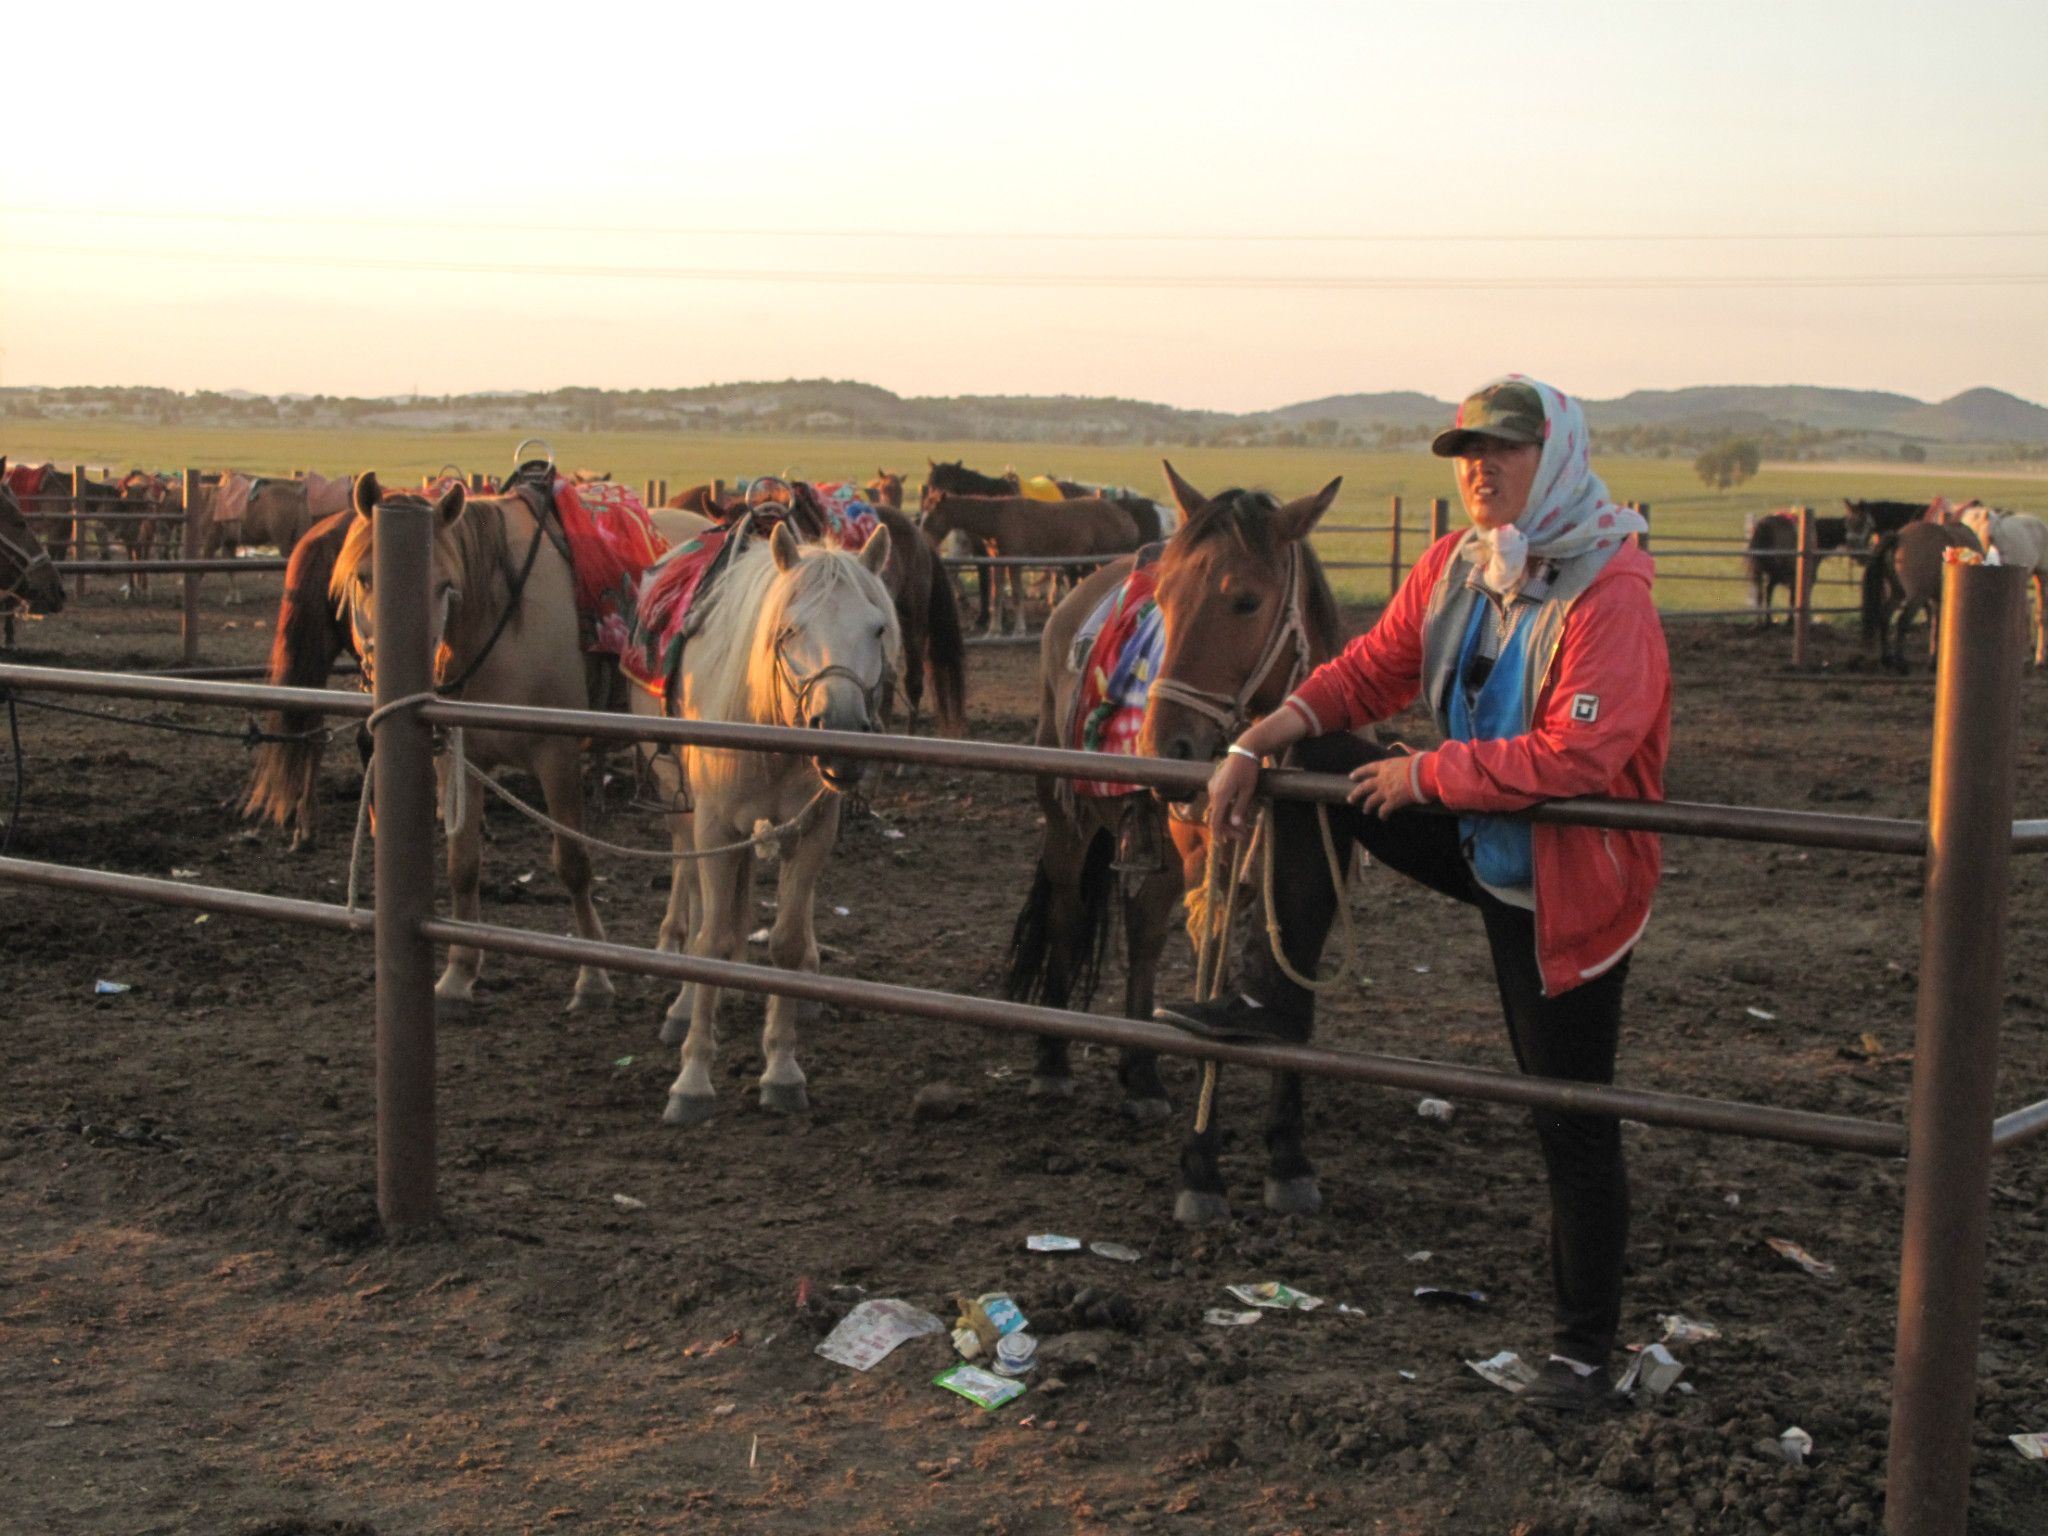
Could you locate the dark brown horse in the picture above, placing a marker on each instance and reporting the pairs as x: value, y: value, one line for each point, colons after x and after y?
x: 1018, y: 527
x: 312, y: 630
x: 1771, y: 561
x: 1246, y: 612
x: 27, y: 579
x: 1902, y: 579
x: 1152, y: 521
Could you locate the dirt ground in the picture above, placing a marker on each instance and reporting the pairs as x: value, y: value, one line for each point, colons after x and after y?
x: 201, y: 1331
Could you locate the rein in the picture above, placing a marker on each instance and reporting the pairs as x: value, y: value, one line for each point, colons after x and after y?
x: 800, y: 688
x: 505, y: 616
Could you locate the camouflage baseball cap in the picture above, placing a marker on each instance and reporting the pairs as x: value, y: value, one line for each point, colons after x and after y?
x: 1510, y: 411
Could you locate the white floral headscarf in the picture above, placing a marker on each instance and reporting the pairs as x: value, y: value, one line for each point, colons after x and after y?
x: 1570, y: 513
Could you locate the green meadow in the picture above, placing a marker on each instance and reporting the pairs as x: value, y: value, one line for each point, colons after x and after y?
x: 1681, y: 509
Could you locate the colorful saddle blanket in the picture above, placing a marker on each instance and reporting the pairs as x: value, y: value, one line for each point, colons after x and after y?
x: 612, y: 543
x: 848, y: 514
x: 1117, y: 652
x: 668, y: 592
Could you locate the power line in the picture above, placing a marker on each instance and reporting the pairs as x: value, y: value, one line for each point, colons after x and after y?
x: 820, y: 277
x: 1035, y: 236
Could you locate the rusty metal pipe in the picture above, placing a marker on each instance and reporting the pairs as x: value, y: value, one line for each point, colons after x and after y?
x: 195, y: 567
x: 2019, y: 1127
x: 1955, y: 1060
x: 1801, y: 1126
x: 179, y: 893
x: 187, y: 689
x: 404, y: 772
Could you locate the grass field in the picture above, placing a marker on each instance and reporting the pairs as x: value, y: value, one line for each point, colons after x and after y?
x: 1682, y: 511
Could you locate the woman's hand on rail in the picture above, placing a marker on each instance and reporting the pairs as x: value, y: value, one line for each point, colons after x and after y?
x: 1231, y: 788
x: 1386, y: 786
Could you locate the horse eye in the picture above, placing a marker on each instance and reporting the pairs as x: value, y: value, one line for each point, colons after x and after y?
x: 1245, y: 602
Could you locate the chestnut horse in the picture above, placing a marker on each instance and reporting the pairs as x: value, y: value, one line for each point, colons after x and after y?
x: 1903, y: 577
x: 1246, y: 613
x: 1019, y: 527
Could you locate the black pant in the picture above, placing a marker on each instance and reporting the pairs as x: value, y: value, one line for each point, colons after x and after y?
x: 1572, y: 1035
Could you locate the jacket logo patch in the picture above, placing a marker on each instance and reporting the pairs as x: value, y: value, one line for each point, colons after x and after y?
x: 1585, y: 707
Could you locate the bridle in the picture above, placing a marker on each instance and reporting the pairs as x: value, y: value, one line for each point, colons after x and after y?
x: 799, y: 689
x: 28, y: 561
x: 1232, y: 712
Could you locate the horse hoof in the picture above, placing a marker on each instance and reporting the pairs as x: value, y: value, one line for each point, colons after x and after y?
x: 1294, y: 1197
x: 688, y: 1109
x: 593, y: 1002
x: 785, y: 1098
x: 1046, y: 1086
x: 453, y: 1010
x: 673, y: 1027
x: 1145, y: 1111
x: 1201, y: 1208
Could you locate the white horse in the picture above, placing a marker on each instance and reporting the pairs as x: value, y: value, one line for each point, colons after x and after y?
x: 2021, y: 539
x: 790, y: 635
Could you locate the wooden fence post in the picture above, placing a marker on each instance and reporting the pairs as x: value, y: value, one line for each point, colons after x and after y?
x: 78, y: 525
x: 1802, y: 586
x: 1394, y: 549
x: 1643, y: 511
x: 648, y: 499
x: 188, y: 621
x: 1439, y: 518
x: 661, y: 492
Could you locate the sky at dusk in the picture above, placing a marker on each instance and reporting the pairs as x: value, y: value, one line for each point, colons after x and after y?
x: 1216, y: 206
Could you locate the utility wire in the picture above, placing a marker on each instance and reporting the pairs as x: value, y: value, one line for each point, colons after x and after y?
x: 1222, y: 281
x: 1036, y: 236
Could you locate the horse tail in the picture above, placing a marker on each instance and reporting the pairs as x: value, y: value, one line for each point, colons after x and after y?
x: 1029, y: 978
x: 945, y: 658
x: 310, y: 634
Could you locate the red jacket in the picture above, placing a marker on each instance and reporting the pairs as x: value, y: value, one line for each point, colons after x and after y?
x: 1601, y: 725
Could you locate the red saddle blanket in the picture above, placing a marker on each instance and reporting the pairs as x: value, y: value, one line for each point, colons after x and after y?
x: 660, y: 612
x: 612, y: 543
x: 1117, y: 668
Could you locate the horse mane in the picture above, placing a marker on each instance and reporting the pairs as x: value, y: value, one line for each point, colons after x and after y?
x: 474, y: 549
x: 732, y: 653
x: 1246, y: 517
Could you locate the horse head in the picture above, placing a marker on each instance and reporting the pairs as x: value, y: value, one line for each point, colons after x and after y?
x: 886, y: 489
x: 833, y: 641
x: 355, y: 567
x: 1245, y: 613
x: 26, y: 575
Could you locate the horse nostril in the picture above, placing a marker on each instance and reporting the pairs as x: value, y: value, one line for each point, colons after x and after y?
x: 1178, y: 749
x: 816, y: 722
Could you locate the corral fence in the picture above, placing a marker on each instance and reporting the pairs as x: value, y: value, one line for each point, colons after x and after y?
x: 1948, y: 1138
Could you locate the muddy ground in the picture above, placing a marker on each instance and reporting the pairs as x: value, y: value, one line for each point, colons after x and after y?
x: 200, y: 1330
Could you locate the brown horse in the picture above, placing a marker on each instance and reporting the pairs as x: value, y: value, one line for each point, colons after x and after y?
x: 1245, y: 612
x: 886, y: 489
x: 27, y: 579
x: 1903, y: 578
x: 1018, y: 527
x: 934, y: 650
x: 312, y: 630
x: 705, y: 500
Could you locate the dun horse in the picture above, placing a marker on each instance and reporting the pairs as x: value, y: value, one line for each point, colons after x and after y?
x: 505, y: 632
x: 1246, y: 614
x: 1903, y: 577
x: 789, y: 635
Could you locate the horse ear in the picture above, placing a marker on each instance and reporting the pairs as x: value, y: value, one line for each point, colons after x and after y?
x: 367, y: 493
x: 875, y: 553
x: 450, y: 507
x: 1185, y: 496
x: 782, y: 544
x: 1297, y: 518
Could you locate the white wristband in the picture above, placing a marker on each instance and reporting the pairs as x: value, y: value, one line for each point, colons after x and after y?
x: 1245, y: 752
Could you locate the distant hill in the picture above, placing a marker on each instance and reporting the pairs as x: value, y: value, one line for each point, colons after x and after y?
x: 1787, y: 420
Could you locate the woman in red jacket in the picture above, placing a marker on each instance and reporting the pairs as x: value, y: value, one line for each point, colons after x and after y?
x: 1534, y: 641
